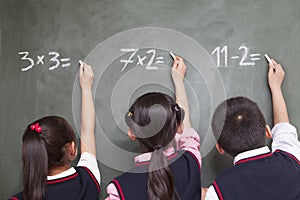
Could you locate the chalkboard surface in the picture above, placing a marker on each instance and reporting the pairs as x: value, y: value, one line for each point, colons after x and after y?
x: 128, y: 44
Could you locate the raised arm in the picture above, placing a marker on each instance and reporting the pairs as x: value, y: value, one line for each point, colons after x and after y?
x: 285, y: 137
x: 275, y: 78
x: 178, y: 73
x: 86, y: 77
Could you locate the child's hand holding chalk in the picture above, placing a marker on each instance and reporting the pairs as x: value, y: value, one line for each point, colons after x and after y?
x: 174, y: 57
x: 81, y: 64
x: 270, y: 61
x: 86, y: 76
x: 178, y: 70
x: 275, y: 77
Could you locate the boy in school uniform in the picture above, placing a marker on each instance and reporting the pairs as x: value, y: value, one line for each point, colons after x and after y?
x: 258, y: 173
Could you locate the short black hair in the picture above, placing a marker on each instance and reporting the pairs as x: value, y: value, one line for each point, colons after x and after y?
x: 239, y: 125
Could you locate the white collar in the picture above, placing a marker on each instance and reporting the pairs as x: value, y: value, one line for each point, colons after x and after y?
x: 251, y: 153
x: 63, y: 174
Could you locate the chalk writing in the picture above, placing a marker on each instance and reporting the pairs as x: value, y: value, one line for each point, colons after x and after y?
x: 40, y: 59
x: 25, y: 57
x: 146, y: 59
x: 54, y: 60
x: 246, y: 59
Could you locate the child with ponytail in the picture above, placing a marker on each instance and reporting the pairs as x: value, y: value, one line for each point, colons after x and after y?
x: 170, y: 167
x: 49, y: 147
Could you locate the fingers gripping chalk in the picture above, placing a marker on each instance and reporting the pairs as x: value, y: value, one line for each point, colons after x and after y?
x: 173, y: 56
x: 270, y: 61
x: 81, y: 65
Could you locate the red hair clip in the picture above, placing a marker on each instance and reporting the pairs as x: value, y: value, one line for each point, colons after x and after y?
x: 36, y: 127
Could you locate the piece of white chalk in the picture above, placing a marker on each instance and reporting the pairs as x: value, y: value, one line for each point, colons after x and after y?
x: 80, y: 62
x: 269, y: 60
x: 173, y: 55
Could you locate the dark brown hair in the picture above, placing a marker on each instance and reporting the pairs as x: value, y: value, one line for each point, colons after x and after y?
x: 44, y: 151
x: 154, y: 118
x: 242, y: 128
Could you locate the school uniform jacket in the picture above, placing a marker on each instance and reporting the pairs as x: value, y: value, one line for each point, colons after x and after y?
x: 80, y: 183
x: 261, y: 174
x: 185, y: 165
x: 186, y: 172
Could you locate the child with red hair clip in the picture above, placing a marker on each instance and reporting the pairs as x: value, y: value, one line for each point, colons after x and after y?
x: 49, y: 147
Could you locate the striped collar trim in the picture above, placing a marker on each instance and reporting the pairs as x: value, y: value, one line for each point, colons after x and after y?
x: 288, y: 154
x: 250, y: 155
x: 64, y: 174
x: 63, y: 179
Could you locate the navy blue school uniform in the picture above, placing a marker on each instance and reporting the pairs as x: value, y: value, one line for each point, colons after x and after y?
x: 261, y: 174
x: 186, y: 173
x: 267, y: 176
x: 185, y: 165
x: 77, y: 183
x: 79, y: 186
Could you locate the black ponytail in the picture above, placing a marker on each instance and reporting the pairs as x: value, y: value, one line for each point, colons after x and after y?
x: 35, y: 165
x: 160, y: 178
x: 154, y: 118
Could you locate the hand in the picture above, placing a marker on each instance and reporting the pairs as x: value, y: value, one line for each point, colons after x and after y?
x: 86, y: 76
x: 275, y: 76
x: 178, y: 70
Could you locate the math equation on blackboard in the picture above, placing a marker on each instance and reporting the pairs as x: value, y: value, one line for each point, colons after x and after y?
x: 53, y: 59
x: 244, y: 56
x: 141, y: 59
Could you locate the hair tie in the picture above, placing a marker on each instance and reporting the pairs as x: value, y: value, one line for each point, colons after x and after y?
x: 176, y: 108
x: 36, y: 127
x: 157, y: 147
x: 130, y: 114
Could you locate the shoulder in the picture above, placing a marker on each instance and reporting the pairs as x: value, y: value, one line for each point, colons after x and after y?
x: 191, y: 157
x: 185, y: 159
x: 89, y: 161
x: 285, y: 138
x: 284, y: 127
x: 188, y: 133
x: 287, y: 157
x: 189, y: 141
x: 86, y: 174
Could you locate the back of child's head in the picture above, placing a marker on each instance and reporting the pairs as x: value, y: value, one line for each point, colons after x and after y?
x: 154, y: 119
x: 46, y: 144
x: 242, y: 128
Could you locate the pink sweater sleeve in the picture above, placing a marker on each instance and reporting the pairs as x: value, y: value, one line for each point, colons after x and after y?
x: 112, y: 192
x: 189, y: 140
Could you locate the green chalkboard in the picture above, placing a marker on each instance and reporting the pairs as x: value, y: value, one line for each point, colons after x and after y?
x: 128, y: 43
